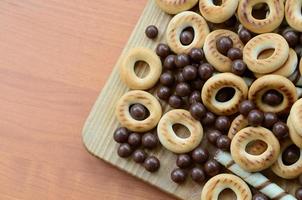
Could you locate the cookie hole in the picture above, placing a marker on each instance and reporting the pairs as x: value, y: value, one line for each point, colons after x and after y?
x: 260, y: 11
x: 181, y: 131
x: 290, y: 155
x: 256, y: 147
x: 139, y: 112
x: 265, y: 54
x: 141, y: 69
x: 227, y: 194
x: 272, y: 98
x: 187, y: 36
x: 225, y: 94
x: 217, y: 2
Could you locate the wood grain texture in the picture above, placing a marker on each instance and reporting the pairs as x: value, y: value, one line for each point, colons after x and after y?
x: 55, y: 57
x: 101, y: 123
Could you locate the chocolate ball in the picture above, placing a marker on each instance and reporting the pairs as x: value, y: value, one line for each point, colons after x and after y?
x: 222, y: 123
x: 162, y: 50
x: 200, y: 155
x: 208, y: 119
x: 135, y: 139
x: 198, y: 110
x: 195, y: 97
x: 139, y: 156
x: 138, y: 112
x: 151, y: 31
x: 259, y: 196
x: 238, y: 67
x: 223, y: 142
x: 175, y: 101
x: 234, y: 53
x: 280, y: 130
x: 196, y: 54
x: 212, y: 168
x: 245, y: 107
x: 231, y: 22
x: 179, y: 77
x: 198, y: 175
x: 163, y: 92
x: 124, y: 150
x: 167, y: 79
x: 149, y: 141
x: 291, y: 37
x: 186, y: 37
x: 244, y: 35
x: 291, y: 155
x: 300, y: 179
x: 270, y: 119
x: 178, y: 176
x: 255, y: 118
x: 223, y: 44
x: 182, y: 60
x: 151, y: 164
x: 189, y: 73
x: 212, y: 136
x: 121, y: 135
x: 197, y: 84
x: 205, y: 71
x: 169, y: 62
x: 299, y: 193
x: 183, y: 89
x: 183, y: 161
x: 272, y: 98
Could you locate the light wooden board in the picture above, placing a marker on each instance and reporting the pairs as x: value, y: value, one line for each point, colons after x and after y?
x: 101, y: 123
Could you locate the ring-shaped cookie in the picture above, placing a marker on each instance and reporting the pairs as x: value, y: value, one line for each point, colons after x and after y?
x: 175, y: 6
x: 218, y: 82
x: 147, y: 100
x: 128, y: 75
x: 262, y: 42
x: 270, y: 23
x: 287, y: 171
x: 287, y: 69
x: 296, y: 115
x: 168, y: 137
x: 293, y: 14
x: 215, y: 13
x: 293, y: 133
x: 182, y: 21
x: 249, y: 162
x: 273, y: 82
x: 220, y: 62
x: 300, y: 66
x: 218, y: 183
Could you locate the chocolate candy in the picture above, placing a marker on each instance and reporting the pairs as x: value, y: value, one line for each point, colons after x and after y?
x: 245, y: 107
x: 121, y: 135
x: 151, y: 31
x: 299, y: 194
x: 231, y: 22
x: 259, y: 196
x: 290, y: 155
x: 179, y: 77
x: 244, y: 35
x: 151, y: 164
x: 291, y: 37
x: 223, y: 44
x: 183, y: 161
x: 167, y: 79
x: 238, y: 67
x: 197, y: 84
x: 222, y: 123
x: 195, y: 97
x: 183, y: 89
x: 149, y: 141
x: 198, y: 110
x: 182, y: 60
x: 212, y: 168
x: 175, y: 101
x: 178, y: 176
x: 187, y: 36
x: 124, y: 150
x: 196, y: 54
x: 212, y: 136
x: 200, y: 155
x: 300, y: 179
x: 255, y: 118
x: 208, y: 119
x: 169, y: 62
x: 189, y: 73
x: 280, y: 130
x: 163, y: 92
x: 272, y: 98
x: 198, y: 175
x: 135, y: 139
x: 223, y: 142
x: 270, y: 119
x: 205, y: 71
x: 162, y: 50
x: 138, y: 112
x: 139, y: 156
x: 234, y: 53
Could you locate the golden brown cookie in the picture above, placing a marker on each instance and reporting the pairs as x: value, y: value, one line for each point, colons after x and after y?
x: 175, y: 6
x: 294, y: 135
x: 240, y: 122
x: 293, y: 14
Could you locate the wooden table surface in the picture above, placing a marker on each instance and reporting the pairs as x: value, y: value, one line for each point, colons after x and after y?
x: 55, y: 57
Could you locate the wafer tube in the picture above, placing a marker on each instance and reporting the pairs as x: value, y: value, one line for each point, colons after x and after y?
x: 257, y: 180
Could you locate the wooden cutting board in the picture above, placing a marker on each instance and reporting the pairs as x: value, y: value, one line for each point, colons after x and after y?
x: 101, y: 123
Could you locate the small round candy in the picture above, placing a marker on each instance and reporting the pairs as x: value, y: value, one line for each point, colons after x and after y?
x: 300, y: 179
x: 183, y: 89
x: 231, y: 22
x: 196, y: 54
x: 182, y: 60
x: 186, y: 37
x: 223, y: 142
x: 280, y: 130
x: 234, y: 53
x: 163, y: 92
x: 124, y: 150
x: 167, y: 79
x: 138, y: 112
x: 139, y: 156
x: 259, y: 196
x: 223, y: 44
x: 195, y: 97
x: 175, y: 101
x: 178, y: 176
x: 198, y: 110
x: 200, y: 155
x: 238, y: 67
x: 135, y: 139
x: 212, y: 168
x: 121, y: 135
x: 179, y: 77
x: 205, y: 71
x: 299, y: 193
x: 245, y: 107
x: 162, y: 50
x: 244, y: 35
x: 222, y: 123
x: 189, y: 73
x: 151, y: 31
x: 272, y: 98
x: 183, y: 161
x: 270, y: 119
x: 291, y: 37
x: 151, y: 164
x: 212, y: 136
x: 255, y: 118
x: 149, y: 141
x: 197, y: 84
x: 169, y: 62
x: 208, y: 119
x: 198, y: 175
x: 290, y: 155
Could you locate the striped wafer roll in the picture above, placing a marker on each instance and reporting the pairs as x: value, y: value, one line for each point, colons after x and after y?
x: 257, y: 180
